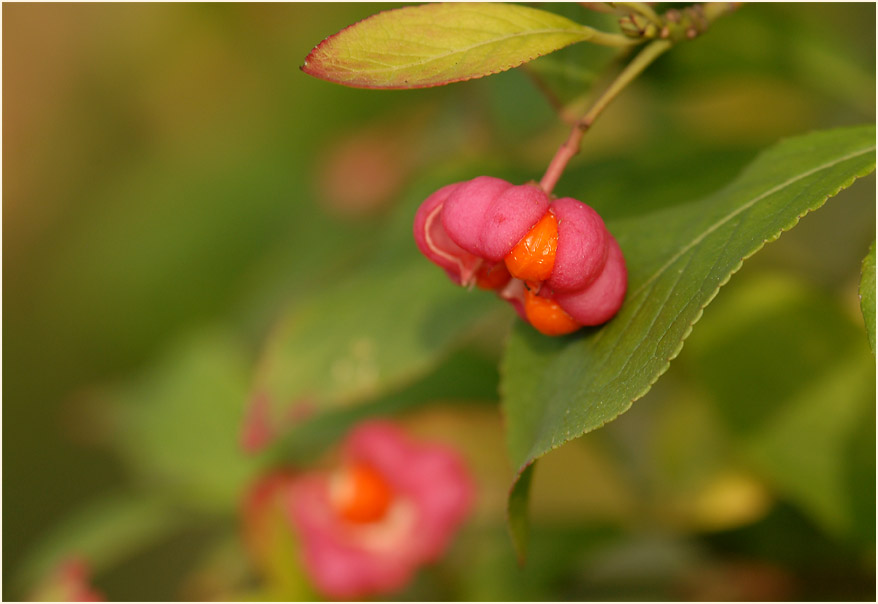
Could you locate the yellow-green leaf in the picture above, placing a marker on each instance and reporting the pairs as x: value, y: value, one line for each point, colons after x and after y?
x: 436, y: 44
x: 867, y: 294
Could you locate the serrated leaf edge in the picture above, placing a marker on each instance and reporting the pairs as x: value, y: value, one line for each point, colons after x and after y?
x: 532, y: 458
x: 863, y: 268
x: 586, y: 32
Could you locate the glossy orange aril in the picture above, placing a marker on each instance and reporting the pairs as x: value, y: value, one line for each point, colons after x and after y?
x: 360, y: 494
x: 492, y: 277
x: 533, y: 258
x: 546, y: 316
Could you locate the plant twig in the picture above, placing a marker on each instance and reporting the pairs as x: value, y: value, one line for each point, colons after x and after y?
x: 603, y: 38
x: 672, y: 27
x: 641, y: 8
x: 599, y: 7
x: 547, y: 92
x: 572, y: 145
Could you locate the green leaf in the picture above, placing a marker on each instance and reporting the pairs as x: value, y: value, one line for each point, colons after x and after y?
x: 366, y: 336
x: 517, y: 512
x: 436, y: 44
x: 464, y: 377
x: 556, y: 390
x: 570, y: 72
x: 102, y: 533
x: 785, y: 367
x: 488, y: 572
x: 179, y: 423
x: 867, y: 294
x: 361, y: 338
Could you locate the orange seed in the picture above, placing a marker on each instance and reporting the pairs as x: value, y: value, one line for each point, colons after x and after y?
x: 492, y: 277
x: 547, y: 317
x: 360, y: 494
x: 533, y: 258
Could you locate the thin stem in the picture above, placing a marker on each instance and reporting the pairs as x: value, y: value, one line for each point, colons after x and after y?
x: 631, y: 71
x: 546, y: 91
x: 572, y: 145
x: 598, y: 7
x: 596, y: 36
x: 643, y: 9
x: 714, y: 10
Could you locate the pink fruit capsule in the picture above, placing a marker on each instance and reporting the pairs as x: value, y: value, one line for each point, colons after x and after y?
x: 582, y: 246
x: 436, y: 245
x: 598, y: 302
x: 556, y: 263
x: 487, y: 216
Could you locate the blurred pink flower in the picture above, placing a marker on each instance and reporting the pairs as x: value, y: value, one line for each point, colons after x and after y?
x: 391, y: 507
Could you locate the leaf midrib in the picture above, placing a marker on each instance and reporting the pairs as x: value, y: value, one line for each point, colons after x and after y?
x: 684, y: 250
x: 583, y: 33
x: 716, y: 225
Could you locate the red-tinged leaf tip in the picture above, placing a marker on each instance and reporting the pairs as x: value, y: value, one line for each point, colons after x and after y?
x: 437, y: 44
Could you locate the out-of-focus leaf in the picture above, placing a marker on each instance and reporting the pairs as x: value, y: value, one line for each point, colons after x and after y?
x: 679, y: 461
x: 273, y: 547
x: 517, y: 514
x: 867, y: 294
x: 803, y: 449
x: 436, y: 44
x: 363, y: 337
x: 555, y: 390
x: 102, y: 533
x: 824, y: 567
x: 573, y: 562
x: 489, y: 571
x: 220, y: 572
x: 180, y: 423
x: 805, y: 48
x: 569, y: 74
x: 464, y: 377
x: 367, y: 336
x: 787, y: 369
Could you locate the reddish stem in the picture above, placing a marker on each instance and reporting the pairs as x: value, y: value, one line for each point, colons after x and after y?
x: 565, y: 153
x: 574, y: 141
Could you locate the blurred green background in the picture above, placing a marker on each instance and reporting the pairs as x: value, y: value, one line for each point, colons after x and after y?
x: 173, y: 183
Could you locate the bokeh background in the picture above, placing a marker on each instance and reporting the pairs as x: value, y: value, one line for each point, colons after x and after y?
x: 173, y: 184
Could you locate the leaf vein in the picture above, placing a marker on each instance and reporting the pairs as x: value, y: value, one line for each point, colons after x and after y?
x: 463, y: 50
x: 712, y: 228
x: 671, y: 289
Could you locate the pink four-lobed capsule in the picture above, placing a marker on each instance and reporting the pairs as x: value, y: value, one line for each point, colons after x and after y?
x: 468, y: 228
